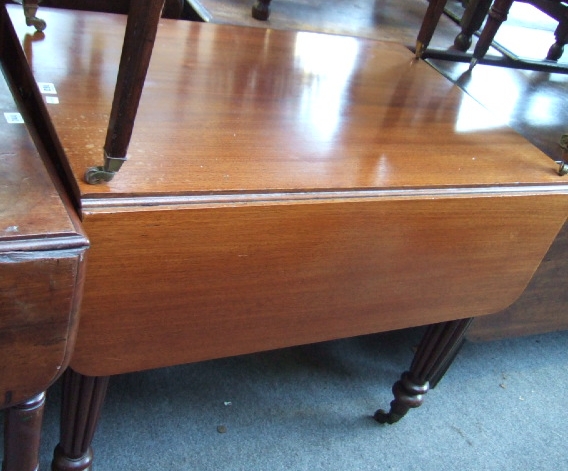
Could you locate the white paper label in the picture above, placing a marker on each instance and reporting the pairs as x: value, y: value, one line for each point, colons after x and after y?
x: 47, y: 88
x: 52, y: 100
x: 14, y: 118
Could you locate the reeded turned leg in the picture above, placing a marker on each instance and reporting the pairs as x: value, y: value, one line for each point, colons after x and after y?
x: 22, y: 430
x: 261, y: 10
x: 82, y: 401
x: 436, y: 351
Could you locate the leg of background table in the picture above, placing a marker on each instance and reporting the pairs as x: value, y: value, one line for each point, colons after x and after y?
x: 435, y: 353
x: 82, y: 401
x: 561, y: 34
x: 22, y: 430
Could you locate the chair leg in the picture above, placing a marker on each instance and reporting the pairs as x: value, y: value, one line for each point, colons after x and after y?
x: 22, y: 430
x: 261, y: 10
x: 137, y: 47
x: 82, y: 401
x: 497, y: 14
x: 557, y: 49
x: 471, y: 21
x: 435, y: 353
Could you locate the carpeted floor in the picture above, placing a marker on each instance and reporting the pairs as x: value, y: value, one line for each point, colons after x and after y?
x: 500, y: 407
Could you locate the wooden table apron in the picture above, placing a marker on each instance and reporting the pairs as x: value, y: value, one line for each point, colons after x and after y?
x: 175, y: 285
x: 279, y: 194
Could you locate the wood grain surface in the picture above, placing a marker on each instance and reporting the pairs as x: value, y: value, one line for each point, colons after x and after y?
x: 285, y: 188
x: 180, y: 284
x: 31, y: 208
x: 40, y: 295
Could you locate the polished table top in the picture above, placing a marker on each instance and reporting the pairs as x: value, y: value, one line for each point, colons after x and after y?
x: 284, y: 188
x: 31, y: 211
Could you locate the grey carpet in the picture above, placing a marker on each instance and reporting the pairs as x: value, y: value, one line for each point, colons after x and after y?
x: 501, y: 406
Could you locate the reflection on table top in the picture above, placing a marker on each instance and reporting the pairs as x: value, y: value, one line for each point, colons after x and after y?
x: 233, y: 109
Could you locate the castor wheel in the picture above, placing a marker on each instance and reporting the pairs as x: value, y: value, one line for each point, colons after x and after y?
x: 462, y: 42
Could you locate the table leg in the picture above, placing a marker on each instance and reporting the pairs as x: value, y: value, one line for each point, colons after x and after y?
x: 22, y: 430
x: 82, y: 401
x: 436, y: 351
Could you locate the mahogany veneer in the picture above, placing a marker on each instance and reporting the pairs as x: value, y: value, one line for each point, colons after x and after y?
x: 283, y: 188
x: 42, y: 252
x: 273, y: 187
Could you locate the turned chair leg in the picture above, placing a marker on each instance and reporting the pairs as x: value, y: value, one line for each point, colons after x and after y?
x: 82, y: 401
x: 30, y: 10
x: 497, y: 15
x: 22, y: 430
x: 436, y: 351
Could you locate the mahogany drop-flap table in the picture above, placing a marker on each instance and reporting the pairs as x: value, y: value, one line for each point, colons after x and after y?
x: 281, y: 188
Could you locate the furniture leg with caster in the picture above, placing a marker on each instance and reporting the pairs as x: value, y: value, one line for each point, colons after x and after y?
x: 435, y: 353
